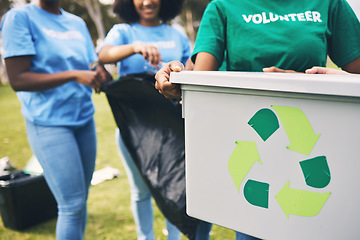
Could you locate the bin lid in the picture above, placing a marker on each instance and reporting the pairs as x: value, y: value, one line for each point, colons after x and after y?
x: 339, y: 85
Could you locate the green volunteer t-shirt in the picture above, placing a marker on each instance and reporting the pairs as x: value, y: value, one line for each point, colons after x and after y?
x: 289, y: 34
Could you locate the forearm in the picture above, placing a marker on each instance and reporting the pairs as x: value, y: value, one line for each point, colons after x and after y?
x: 29, y: 81
x: 113, y: 54
x: 353, y: 67
x: 206, y: 62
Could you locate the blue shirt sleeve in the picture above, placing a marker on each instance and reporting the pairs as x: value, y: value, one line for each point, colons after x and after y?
x: 16, y: 34
x: 117, y: 35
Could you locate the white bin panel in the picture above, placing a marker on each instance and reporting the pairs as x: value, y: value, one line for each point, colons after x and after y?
x: 216, y: 117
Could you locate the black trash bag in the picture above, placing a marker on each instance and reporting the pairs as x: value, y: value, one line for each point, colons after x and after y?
x: 152, y: 128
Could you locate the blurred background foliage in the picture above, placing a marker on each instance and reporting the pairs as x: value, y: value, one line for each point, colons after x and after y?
x: 99, y: 16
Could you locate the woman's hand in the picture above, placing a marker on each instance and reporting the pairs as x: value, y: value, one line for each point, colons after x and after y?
x: 149, y: 52
x: 278, y: 70
x: 323, y: 70
x: 21, y: 79
x: 162, y: 77
x: 93, y: 79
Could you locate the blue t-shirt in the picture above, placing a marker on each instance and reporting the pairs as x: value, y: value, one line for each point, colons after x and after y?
x: 172, y: 44
x: 55, y: 43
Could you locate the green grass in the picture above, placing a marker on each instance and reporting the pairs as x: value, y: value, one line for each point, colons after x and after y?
x: 109, y: 213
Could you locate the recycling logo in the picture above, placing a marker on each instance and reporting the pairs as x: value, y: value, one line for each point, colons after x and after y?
x: 302, y: 139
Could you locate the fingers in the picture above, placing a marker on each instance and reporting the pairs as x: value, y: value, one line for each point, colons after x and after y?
x: 273, y: 69
x: 105, y: 76
x: 150, y: 53
x: 279, y: 70
x: 176, y: 66
x: 324, y: 70
x: 162, y: 80
x: 313, y: 70
x: 163, y: 75
x: 154, y: 56
x: 96, y: 82
x: 102, y: 76
x: 316, y: 70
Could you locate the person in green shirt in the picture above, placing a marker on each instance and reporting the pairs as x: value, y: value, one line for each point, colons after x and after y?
x: 272, y: 36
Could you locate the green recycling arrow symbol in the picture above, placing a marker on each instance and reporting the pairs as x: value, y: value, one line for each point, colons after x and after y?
x: 241, y: 160
x: 298, y: 129
x: 300, y: 202
x: 302, y: 140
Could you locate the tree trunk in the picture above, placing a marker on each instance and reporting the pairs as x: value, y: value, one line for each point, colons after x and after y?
x: 189, y: 25
x: 93, y: 8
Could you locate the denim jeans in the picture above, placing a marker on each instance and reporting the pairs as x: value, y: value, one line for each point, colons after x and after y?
x: 140, y: 197
x: 67, y: 156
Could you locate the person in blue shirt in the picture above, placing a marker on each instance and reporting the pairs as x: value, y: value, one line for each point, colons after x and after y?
x: 141, y: 44
x: 48, y: 53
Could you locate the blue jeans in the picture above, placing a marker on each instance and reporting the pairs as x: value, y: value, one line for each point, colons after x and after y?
x: 140, y: 197
x: 67, y: 156
x: 204, y: 228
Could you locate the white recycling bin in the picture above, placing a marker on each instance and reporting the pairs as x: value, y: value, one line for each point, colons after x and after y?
x: 272, y: 155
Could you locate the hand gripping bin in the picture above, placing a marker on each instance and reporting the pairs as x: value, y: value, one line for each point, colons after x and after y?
x: 273, y: 155
x: 25, y: 200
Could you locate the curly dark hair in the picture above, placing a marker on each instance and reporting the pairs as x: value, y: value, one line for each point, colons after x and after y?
x: 125, y: 10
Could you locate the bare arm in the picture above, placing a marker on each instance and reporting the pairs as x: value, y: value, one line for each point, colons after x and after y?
x: 113, y: 54
x: 21, y: 79
x: 324, y: 70
x: 350, y: 68
x: 353, y: 67
x: 206, y: 62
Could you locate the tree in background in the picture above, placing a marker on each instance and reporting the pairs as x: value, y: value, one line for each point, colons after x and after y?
x: 4, y: 6
x: 191, y: 16
x: 98, y: 17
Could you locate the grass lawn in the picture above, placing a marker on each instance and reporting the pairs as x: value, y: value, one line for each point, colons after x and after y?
x: 109, y: 214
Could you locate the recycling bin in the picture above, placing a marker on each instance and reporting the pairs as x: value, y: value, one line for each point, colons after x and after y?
x: 273, y: 155
x: 25, y: 200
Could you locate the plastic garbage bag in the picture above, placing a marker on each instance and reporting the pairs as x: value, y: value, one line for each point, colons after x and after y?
x: 153, y: 131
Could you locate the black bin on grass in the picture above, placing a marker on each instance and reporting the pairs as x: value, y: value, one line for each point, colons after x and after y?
x: 25, y: 200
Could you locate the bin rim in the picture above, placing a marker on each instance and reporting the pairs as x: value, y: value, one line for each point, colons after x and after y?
x: 337, y: 85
